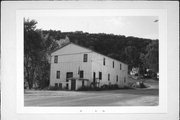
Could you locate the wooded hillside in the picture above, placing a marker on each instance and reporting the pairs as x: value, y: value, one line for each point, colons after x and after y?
x: 136, y: 52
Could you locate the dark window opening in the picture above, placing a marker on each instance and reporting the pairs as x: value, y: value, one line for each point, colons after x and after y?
x: 82, y: 83
x: 60, y: 85
x: 113, y: 64
x: 108, y: 77
x: 120, y: 66
x: 81, y: 74
x: 56, y: 59
x: 58, y: 74
x: 94, y: 78
x: 100, y: 75
x: 67, y: 86
x: 85, y: 58
x: 104, y: 61
x: 69, y: 75
x: 117, y: 78
x: 124, y: 79
x: 56, y: 84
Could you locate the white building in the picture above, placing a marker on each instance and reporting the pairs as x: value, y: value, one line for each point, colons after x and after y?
x: 74, y: 66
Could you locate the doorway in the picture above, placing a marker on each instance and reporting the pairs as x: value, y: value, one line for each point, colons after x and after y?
x: 68, y: 75
x: 94, y: 78
x: 73, y: 84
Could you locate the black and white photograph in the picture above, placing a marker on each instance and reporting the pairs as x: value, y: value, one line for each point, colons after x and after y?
x: 91, y: 61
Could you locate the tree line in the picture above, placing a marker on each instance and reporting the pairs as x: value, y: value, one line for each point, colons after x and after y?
x: 38, y: 44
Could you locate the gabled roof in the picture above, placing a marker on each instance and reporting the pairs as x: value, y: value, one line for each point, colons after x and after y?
x: 60, y: 47
x: 84, y: 48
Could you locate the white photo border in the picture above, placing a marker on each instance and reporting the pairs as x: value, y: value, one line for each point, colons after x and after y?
x: 162, y: 15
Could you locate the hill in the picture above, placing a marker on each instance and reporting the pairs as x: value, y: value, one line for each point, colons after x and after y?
x: 38, y: 44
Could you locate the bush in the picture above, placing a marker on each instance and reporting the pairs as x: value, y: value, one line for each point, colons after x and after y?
x: 113, y: 87
x: 85, y: 88
x: 116, y: 86
x: 104, y: 87
x: 97, y: 88
x: 54, y: 88
x: 142, y: 85
x: 127, y: 87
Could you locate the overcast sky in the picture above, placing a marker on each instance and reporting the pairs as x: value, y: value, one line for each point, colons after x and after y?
x: 137, y: 26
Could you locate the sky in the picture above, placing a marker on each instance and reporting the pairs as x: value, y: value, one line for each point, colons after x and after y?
x: 137, y: 26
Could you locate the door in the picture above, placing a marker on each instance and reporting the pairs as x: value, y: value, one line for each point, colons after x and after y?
x: 94, y: 78
x: 68, y: 75
x: 60, y: 85
x: 82, y: 83
x: 73, y: 84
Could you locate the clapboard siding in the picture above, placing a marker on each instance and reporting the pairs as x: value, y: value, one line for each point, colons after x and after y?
x: 98, y: 66
x: 70, y: 59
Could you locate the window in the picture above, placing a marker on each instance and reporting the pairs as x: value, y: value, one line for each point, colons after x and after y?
x: 82, y: 83
x: 58, y: 74
x: 81, y: 74
x: 60, y: 85
x: 100, y: 75
x: 116, y: 78
x: 104, y: 61
x: 56, y: 59
x: 56, y: 84
x: 108, y: 77
x: 124, y: 79
x: 85, y: 58
x: 120, y: 66
x: 113, y: 64
x: 69, y: 75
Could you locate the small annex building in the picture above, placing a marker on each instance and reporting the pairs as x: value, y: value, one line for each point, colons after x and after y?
x: 74, y: 66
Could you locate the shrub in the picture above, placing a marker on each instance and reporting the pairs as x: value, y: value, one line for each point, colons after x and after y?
x: 97, y: 88
x: 53, y: 88
x: 104, y: 87
x: 116, y: 86
x: 85, y: 88
x: 142, y: 85
x: 127, y: 87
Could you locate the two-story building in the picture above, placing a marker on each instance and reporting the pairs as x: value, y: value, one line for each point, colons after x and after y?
x: 74, y: 66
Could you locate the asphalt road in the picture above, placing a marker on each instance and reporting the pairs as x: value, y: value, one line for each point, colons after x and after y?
x: 128, y: 97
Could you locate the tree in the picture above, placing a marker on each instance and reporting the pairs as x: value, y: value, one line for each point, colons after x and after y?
x: 32, y: 45
x: 43, y: 68
x: 152, y: 56
x: 37, y: 49
x: 143, y: 64
x: 132, y: 56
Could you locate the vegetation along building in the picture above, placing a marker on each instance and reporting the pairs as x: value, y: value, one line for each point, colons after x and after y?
x: 74, y: 67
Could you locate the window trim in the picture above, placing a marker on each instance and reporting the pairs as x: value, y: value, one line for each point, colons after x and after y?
x: 117, y: 78
x: 104, y: 61
x: 124, y: 79
x: 85, y: 57
x: 58, y: 75
x: 56, y: 59
x: 81, y: 71
x: 100, y: 75
x: 68, y: 76
x: 56, y: 84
